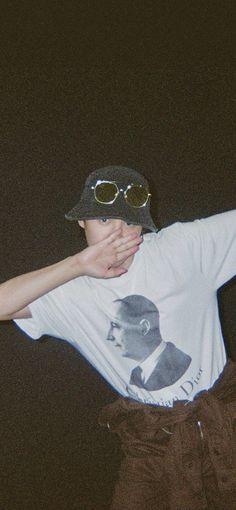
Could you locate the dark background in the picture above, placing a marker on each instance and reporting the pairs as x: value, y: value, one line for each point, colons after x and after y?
x: 84, y: 85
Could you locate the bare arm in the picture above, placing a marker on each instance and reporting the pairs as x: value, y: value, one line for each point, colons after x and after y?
x: 97, y: 261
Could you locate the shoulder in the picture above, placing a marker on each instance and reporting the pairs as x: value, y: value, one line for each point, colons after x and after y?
x: 167, y: 239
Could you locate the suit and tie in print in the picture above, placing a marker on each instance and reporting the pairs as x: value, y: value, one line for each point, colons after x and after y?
x: 170, y: 367
x: 135, y: 331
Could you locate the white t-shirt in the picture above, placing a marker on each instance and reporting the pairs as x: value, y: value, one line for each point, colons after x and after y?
x: 162, y: 340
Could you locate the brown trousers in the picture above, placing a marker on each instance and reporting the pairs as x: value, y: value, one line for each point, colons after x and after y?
x: 179, y: 458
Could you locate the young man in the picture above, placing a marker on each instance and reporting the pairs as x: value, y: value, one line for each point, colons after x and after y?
x: 122, y: 301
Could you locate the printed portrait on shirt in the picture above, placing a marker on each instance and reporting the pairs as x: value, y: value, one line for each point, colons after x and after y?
x: 135, y: 332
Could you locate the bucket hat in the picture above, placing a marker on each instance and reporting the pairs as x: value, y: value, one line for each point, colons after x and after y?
x: 124, y: 182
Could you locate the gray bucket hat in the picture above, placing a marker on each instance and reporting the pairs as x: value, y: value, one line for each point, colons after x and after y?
x: 88, y: 207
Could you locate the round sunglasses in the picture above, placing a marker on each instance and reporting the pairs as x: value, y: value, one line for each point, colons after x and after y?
x: 106, y: 192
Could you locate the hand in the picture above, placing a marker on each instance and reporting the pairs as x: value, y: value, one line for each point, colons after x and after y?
x: 98, y: 260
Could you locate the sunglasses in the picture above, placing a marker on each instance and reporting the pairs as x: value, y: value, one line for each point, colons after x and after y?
x: 106, y: 192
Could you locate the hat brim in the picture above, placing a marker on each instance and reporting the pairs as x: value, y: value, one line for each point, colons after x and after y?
x: 74, y: 215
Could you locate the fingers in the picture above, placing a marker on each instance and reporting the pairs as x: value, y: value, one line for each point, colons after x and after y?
x: 122, y: 247
x: 125, y: 253
x: 112, y: 237
x: 117, y: 240
x: 129, y: 243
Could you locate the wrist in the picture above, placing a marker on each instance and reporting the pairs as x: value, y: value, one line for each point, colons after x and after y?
x: 76, y: 265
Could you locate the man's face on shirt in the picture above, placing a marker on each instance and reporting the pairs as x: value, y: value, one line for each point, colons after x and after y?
x: 97, y: 230
x: 130, y: 339
x: 125, y: 339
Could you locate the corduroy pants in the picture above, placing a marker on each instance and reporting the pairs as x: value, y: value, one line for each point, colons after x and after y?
x: 179, y: 458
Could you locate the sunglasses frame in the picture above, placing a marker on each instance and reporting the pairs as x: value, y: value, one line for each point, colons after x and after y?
x: 118, y: 191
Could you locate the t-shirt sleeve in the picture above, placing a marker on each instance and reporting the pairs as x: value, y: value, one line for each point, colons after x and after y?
x: 32, y: 326
x: 213, y: 242
x: 49, y: 315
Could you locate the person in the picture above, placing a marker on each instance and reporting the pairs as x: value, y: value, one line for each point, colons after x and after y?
x: 178, y: 441
x: 136, y: 332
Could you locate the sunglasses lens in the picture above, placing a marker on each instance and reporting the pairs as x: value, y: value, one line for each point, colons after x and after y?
x: 136, y: 196
x: 105, y: 192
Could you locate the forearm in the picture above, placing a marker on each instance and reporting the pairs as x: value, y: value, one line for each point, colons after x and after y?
x: 20, y: 291
x: 96, y: 260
